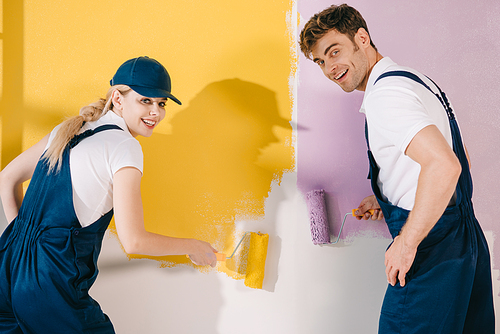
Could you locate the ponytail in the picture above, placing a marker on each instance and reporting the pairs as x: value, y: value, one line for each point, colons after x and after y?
x: 71, y: 127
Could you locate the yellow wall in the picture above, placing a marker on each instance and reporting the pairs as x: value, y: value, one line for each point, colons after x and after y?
x: 214, y: 159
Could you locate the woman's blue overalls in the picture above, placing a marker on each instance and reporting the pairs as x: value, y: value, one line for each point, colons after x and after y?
x: 48, y: 262
x: 449, y: 287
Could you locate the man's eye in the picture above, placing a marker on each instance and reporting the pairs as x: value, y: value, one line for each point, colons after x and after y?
x: 162, y: 104
x: 146, y: 101
x: 320, y: 62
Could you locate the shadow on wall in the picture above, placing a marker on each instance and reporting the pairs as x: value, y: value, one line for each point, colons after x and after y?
x: 206, y: 175
x: 144, y: 308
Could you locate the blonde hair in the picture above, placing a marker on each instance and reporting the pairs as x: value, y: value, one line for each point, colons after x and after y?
x: 70, y: 127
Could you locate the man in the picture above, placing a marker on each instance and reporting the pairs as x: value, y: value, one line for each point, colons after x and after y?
x: 438, y: 265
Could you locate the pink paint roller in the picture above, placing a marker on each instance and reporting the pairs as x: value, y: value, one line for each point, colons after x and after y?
x: 318, y: 217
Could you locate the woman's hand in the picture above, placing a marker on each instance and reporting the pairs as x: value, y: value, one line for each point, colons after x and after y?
x: 202, y: 253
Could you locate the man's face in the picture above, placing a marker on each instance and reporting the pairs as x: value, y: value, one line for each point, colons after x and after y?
x: 342, y: 61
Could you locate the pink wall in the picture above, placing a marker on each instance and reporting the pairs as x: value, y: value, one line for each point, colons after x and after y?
x: 456, y: 43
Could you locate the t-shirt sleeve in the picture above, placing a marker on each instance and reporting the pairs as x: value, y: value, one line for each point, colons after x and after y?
x: 52, y: 136
x: 127, y: 154
x: 397, y: 114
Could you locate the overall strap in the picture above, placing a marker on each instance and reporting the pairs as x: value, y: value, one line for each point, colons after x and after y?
x: 458, y: 147
x: 366, y: 134
x: 78, y: 138
x: 441, y: 96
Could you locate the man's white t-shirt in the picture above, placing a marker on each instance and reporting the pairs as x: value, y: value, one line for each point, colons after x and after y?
x: 396, y: 109
x: 95, y: 160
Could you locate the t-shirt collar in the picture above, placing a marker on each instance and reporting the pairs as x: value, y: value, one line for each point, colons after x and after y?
x: 118, y: 120
x: 380, y: 67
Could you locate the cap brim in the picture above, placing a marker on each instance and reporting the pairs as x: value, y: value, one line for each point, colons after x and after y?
x: 154, y: 93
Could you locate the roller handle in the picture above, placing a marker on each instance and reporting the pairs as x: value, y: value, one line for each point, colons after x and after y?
x: 223, y: 257
x: 371, y: 211
x: 220, y: 256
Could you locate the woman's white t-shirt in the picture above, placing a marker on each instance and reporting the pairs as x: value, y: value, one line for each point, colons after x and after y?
x: 94, y: 161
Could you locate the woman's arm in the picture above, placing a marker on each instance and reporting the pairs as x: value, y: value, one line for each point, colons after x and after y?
x: 129, y: 220
x: 17, y: 171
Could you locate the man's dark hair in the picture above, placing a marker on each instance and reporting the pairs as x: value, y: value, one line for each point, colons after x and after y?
x: 343, y: 18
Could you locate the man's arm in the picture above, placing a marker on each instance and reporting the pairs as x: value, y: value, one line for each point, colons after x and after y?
x: 440, y: 170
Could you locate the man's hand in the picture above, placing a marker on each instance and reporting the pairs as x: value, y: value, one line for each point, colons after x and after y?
x: 369, y: 203
x: 398, y: 260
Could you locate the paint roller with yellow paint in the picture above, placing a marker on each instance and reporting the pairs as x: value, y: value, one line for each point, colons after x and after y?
x: 256, y: 260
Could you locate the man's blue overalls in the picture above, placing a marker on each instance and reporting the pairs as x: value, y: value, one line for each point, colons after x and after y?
x: 48, y: 262
x: 448, y: 287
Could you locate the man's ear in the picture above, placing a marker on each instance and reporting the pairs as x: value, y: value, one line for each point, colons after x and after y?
x: 362, y: 37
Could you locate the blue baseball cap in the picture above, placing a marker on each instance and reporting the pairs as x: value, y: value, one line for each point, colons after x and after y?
x: 146, y: 77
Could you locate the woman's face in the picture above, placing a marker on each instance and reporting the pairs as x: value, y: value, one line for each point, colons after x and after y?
x: 141, y: 114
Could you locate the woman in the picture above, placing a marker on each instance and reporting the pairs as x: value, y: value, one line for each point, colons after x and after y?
x: 87, y: 168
